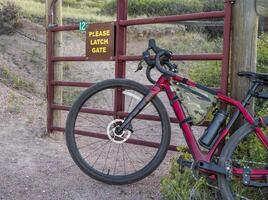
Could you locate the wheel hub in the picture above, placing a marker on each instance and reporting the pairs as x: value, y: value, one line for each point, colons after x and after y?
x: 118, y: 138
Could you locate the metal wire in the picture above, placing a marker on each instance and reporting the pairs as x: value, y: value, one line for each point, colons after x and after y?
x: 30, y: 37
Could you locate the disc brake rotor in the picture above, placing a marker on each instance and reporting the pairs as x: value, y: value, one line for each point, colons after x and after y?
x: 113, y: 136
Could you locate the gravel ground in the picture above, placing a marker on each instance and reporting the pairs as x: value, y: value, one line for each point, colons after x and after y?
x: 41, y: 168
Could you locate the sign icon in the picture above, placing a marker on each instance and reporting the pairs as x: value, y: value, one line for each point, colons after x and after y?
x: 100, y: 41
x: 82, y: 26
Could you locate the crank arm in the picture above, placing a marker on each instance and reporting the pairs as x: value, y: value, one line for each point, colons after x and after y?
x: 184, y: 163
x: 212, y: 167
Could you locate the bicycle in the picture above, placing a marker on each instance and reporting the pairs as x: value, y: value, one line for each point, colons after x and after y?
x: 114, y: 157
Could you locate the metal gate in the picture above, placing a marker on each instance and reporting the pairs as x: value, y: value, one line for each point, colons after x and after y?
x: 121, y: 58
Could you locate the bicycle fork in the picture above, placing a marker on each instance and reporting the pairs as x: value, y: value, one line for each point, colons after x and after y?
x: 139, y: 107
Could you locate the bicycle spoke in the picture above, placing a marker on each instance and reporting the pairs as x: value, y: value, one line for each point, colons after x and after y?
x: 95, y: 121
x: 97, y: 148
x: 130, y: 160
x: 116, y: 158
x: 89, y: 144
x: 107, y: 157
x: 98, y: 156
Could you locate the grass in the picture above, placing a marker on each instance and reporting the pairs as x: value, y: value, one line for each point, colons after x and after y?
x: 15, y: 81
x: 69, y: 95
x: 74, y: 10
x: 13, y: 103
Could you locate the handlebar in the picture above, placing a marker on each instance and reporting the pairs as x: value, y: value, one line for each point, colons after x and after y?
x: 159, y: 66
x: 162, y: 59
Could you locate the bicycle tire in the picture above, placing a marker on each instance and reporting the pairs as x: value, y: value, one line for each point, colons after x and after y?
x: 228, y: 153
x: 84, y: 165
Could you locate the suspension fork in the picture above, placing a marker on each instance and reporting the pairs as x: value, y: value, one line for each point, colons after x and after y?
x: 139, y: 107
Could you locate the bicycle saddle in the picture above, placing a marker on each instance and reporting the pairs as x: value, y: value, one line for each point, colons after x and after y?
x: 256, y: 76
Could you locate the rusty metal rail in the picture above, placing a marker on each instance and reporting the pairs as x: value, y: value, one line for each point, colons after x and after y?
x: 121, y: 58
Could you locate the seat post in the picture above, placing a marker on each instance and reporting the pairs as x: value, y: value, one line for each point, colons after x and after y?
x: 247, y: 98
x: 250, y: 92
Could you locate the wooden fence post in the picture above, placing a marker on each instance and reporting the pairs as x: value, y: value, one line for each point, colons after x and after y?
x: 262, y: 7
x: 57, y: 51
x: 244, y: 46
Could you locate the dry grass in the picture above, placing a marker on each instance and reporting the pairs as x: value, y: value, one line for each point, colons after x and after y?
x: 33, y: 8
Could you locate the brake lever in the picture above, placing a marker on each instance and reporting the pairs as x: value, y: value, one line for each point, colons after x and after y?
x: 172, y: 66
x: 140, y: 66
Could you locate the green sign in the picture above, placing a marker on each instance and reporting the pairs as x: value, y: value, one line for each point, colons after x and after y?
x: 82, y: 26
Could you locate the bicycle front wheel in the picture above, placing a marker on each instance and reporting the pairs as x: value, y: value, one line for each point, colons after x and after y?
x: 98, y: 150
x: 243, y: 151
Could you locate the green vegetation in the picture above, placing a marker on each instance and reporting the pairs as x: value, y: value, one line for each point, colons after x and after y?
x: 155, y: 7
x: 180, y: 184
x: 13, y: 103
x: 9, y: 17
x: 69, y: 95
x: 163, y: 7
x: 14, y: 80
x: 262, y: 66
x: 262, y: 55
x: 74, y: 10
x: 98, y: 10
x: 205, y: 72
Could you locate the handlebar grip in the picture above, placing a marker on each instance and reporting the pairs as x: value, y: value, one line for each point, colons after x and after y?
x: 147, y: 59
x: 148, y: 75
x: 152, y: 45
x: 158, y: 64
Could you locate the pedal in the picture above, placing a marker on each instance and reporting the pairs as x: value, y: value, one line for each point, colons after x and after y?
x: 247, y: 182
x: 184, y: 163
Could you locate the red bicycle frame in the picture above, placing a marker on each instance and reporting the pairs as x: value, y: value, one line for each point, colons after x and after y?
x: 198, y: 155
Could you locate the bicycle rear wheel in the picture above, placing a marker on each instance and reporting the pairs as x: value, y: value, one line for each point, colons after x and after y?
x: 244, y: 150
x: 108, y: 157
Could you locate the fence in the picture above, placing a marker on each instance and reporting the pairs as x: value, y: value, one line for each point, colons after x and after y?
x: 121, y: 58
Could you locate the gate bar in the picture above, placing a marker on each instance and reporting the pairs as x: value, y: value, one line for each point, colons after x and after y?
x: 130, y: 141
x: 185, y: 57
x: 173, y: 18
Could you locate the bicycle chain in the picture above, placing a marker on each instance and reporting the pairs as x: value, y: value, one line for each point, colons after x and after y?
x: 195, y: 175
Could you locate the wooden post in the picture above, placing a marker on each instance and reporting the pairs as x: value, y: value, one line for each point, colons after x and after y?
x: 262, y: 7
x: 57, y: 51
x: 244, y: 46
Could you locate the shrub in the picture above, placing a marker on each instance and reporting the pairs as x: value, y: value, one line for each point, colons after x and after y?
x: 262, y: 66
x: 262, y: 55
x: 180, y: 184
x: 9, y: 18
x: 213, y: 5
x: 155, y: 7
x: 164, y: 7
x: 206, y: 73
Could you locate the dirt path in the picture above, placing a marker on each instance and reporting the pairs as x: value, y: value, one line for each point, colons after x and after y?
x: 41, y: 168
